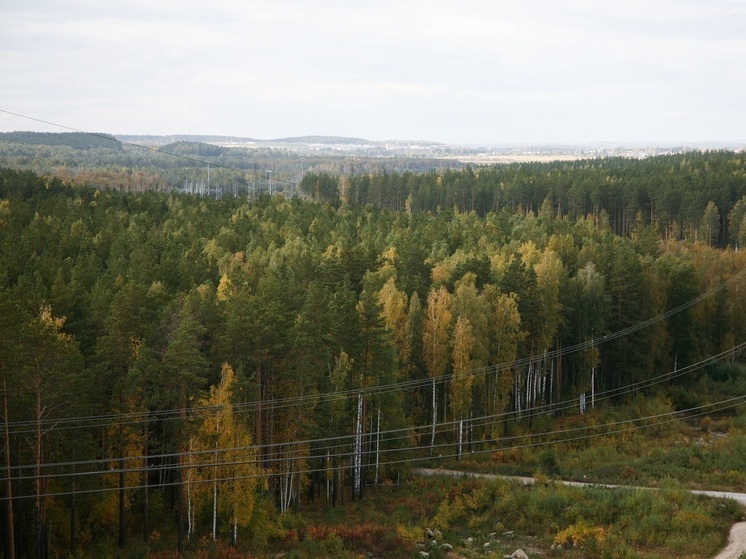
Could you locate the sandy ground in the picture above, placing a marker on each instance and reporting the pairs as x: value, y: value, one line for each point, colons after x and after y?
x: 736, y: 543
x: 736, y: 540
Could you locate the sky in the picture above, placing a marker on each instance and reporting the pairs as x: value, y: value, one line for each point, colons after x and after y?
x: 466, y: 71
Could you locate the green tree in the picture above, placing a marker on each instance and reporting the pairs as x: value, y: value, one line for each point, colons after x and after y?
x: 589, y: 306
x: 736, y: 221
x: 374, y: 365
x: 12, y: 341
x: 184, y: 369
x: 51, y: 360
x: 711, y: 225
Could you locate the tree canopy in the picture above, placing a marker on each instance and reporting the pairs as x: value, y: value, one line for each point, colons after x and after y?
x: 302, y: 343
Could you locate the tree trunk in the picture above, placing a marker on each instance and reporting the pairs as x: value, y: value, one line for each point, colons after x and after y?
x: 146, y: 488
x: 73, y: 514
x: 40, y: 501
x: 122, y: 538
x: 460, y: 437
x: 215, y: 481
x: 179, y: 465
x: 11, y: 546
x: 180, y: 489
x: 358, y: 453
x: 435, y: 419
x: 378, y: 445
x: 593, y: 388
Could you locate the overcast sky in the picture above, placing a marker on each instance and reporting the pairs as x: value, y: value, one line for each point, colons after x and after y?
x: 466, y: 71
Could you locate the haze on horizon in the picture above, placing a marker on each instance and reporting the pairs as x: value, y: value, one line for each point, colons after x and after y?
x: 473, y: 71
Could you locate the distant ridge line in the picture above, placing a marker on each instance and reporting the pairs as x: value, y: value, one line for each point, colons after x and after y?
x: 155, y: 139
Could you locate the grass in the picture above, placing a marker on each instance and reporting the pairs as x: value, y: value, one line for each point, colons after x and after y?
x: 558, y: 521
x: 706, y: 453
x: 478, y: 517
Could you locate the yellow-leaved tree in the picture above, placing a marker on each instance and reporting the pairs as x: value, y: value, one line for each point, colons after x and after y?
x: 227, y: 462
x: 506, y: 335
x: 462, y: 380
x: 436, y: 335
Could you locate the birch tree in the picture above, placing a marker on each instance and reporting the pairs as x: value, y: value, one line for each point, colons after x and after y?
x: 375, y: 363
x: 436, y: 335
x: 228, y: 465
x: 506, y: 336
x: 462, y: 380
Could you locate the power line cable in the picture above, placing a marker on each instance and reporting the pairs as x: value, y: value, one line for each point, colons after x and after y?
x: 281, y: 403
x: 665, y: 418
x: 141, y: 146
x: 338, y: 440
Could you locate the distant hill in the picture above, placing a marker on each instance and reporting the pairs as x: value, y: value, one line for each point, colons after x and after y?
x: 171, y: 139
x: 76, y: 140
x: 193, y: 148
x: 329, y: 140
x: 175, y: 138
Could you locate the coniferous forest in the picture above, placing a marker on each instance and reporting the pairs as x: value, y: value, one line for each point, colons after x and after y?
x: 180, y: 369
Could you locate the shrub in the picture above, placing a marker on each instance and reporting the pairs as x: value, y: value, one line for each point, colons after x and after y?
x: 580, y: 535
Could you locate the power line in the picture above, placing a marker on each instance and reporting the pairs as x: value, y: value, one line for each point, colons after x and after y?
x: 406, y: 432
x: 664, y: 418
x: 282, y: 403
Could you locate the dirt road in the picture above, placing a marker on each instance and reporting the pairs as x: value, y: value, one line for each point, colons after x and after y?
x: 736, y: 540
x: 736, y: 543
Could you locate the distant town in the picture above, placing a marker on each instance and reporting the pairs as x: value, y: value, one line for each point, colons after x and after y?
x: 466, y: 153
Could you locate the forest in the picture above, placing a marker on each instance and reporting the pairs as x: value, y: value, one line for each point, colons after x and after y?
x: 186, y: 165
x: 182, y: 369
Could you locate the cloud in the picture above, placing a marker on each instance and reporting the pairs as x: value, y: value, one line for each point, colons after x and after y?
x: 548, y: 68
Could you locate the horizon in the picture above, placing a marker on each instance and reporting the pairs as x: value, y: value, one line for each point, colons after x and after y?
x: 49, y: 127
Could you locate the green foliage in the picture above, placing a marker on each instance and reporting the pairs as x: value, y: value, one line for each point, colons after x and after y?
x: 311, y: 302
x: 77, y: 140
x: 605, y: 522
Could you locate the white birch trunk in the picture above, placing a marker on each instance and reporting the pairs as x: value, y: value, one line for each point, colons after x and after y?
x: 460, y: 437
x: 378, y: 444
x: 215, y: 482
x: 435, y: 419
x: 593, y: 388
x: 291, y: 489
x: 329, y: 473
x: 190, y: 513
x: 235, y: 527
x: 214, y: 509
x: 358, y: 454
